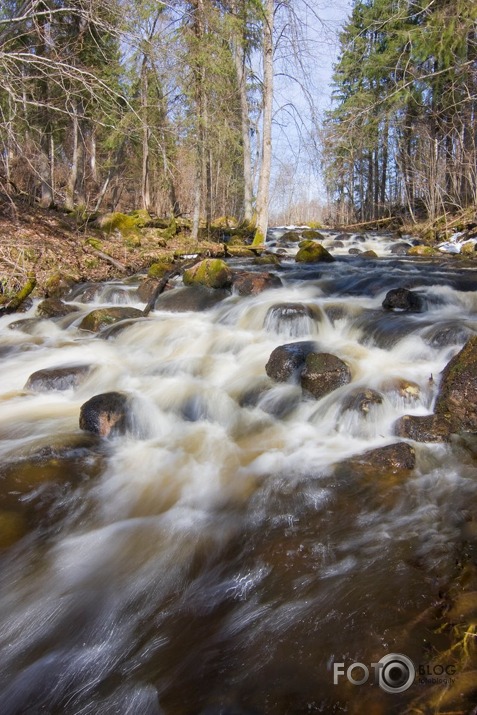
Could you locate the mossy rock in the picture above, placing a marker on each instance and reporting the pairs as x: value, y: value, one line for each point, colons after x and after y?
x: 103, y: 317
x: 141, y: 217
x: 369, y: 254
x: 235, y: 240
x: 225, y: 222
x: 422, y: 251
x: 159, y: 269
x: 313, y: 235
x: 57, y: 284
x: 212, y: 273
x: 240, y: 252
x: 54, y: 308
x: 291, y: 236
x: 311, y: 252
x: 458, y: 389
x: 270, y: 259
x: 117, y: 221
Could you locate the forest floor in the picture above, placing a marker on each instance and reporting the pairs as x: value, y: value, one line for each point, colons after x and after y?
x: 56, y: 248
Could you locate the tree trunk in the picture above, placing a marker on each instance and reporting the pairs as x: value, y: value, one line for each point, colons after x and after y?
x: 266, y: 158
x: 239, y: 60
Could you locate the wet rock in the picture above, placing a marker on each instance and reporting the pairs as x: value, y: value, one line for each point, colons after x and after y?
x: 270, y: 259
x: 403, y: 299
x: 26, y: 325
x: 400, y: 249
x: 58, y: 284
x: 12, y: 527
x: 240, y: 252
x: 393, y: 459
x: 311, y: 252
x: 90, y: 293
x: 105, y: 414
x: 103, y: 317
x: 195, y: 298
x: 408, y: 390
x: 289, y: 316
x: 361, y: 400
x: 423, y: 428
x: 369, y: 254
x: 211, y: 273
x: 457, y: 397
x: 313, y: 235
x: 292, y: 236
x: 54, y: 308
x: 451, y: 333
x: 67, y: 459
x: 422, y: 250
x: 114, y: 330
x: 354, y: 251
x: 147, y: 288
x: 323, y: 373
x: 57, y: 378
x: 248, y: 283
x: 343, y: 237
x: 338, y: 244
x: 287, y: 361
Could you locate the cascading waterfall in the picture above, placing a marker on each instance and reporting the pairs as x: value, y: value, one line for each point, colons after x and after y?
x: 212, y: 560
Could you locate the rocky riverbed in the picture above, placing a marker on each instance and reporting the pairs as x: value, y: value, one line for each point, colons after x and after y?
x: 205, y: 506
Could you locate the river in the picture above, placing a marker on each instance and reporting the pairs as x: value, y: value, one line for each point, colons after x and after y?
x: 212, y: 561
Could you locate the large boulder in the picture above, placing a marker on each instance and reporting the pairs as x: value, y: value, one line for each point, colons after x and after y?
x: 323, y: 373
x: 105, y: 414
x: 423, y: 428
x: 148, y: 287
x: 103, y: 317
x: 457, y: 397
x: 54, y: 308
x: 402, y: 299
x: 249, y: 283
x: 57, y: 378
x: 212, y: 273
x: 312, y: 235
x: 393, y: 459
x: 194, y: 298
x: 311, y: 252
x: 287, y: 361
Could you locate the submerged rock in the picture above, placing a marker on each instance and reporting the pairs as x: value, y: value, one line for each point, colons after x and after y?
x: 400, y: 249
x: 403, y: 299
x: 54, y: 308
x: 311, y: 252
x: 270, y: 259
x: 103, y: 317
x: 423, y: 428
x: 323, y: 373
x: 57, y: 378
x: 354, y: 251
x: 105, y: 414
x: 211, y: 273
x: 248, y: 283
x: 12, y: 527
x: 194, y: 298
x: 292, y: 319
x: 313, y: 235
x: 287, y: 361
x: 393, y: 459
x: 292, y: 236
x: 369, y: 254
x: 361, y: 400
x: 457, y: 397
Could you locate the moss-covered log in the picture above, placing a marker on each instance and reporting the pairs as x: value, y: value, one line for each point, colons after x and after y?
x: 14, y: 303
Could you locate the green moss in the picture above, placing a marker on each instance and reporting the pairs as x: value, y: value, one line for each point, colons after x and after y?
x: 91, y: 263
x: 141, y: 217
x: 259, y: 238
x: 269, y: 260
x: 422, y: 251
x: 213, y: 273
x: 311, y: 252
x: 225, y: 222
x: 312, y: 235
x: 117, y: 221
x: 157, y: 270
x: 94, y: 243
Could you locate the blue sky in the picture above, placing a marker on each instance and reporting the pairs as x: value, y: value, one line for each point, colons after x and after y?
x: 295, y: 167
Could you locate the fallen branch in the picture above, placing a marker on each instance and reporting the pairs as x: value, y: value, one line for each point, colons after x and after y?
x: 167, y: 276
x: 15, y: 302
x: 367, y: 223
x: 105, y: 257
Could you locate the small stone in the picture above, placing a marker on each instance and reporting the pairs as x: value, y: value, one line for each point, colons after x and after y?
x: 286, y: 361
x: 324, y: 373
x: 104, y: 414
x: 361, y: 400
x: 402, y: 299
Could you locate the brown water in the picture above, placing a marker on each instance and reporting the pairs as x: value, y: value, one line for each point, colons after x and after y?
x: 211, y: 561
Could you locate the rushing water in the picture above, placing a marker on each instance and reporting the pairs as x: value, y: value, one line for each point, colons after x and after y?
x: 212, y: 561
